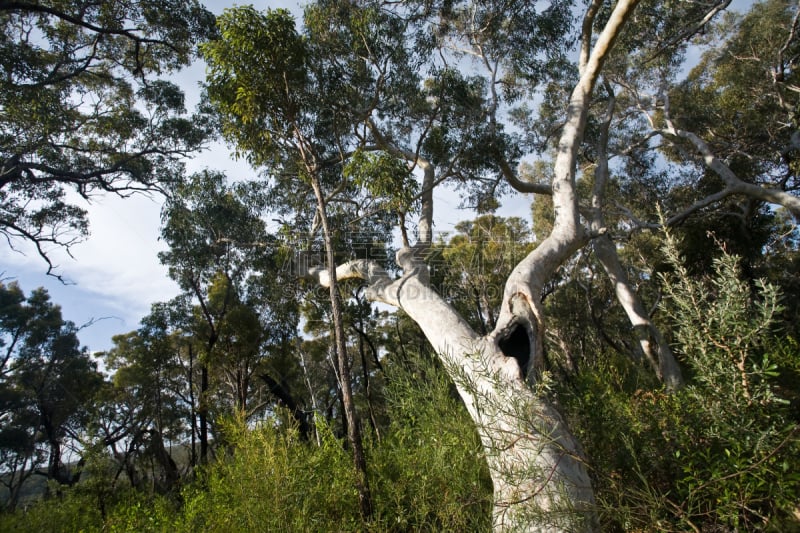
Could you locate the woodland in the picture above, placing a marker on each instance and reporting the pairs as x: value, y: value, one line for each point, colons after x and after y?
x: 624, y: 357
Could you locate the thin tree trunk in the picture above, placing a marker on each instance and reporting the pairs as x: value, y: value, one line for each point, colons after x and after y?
x: 203, y: 413
x: 367, y: 389
x: 314, y: 406
x: 193, y: 408
x: 353, y: 430
x: 652, y: 344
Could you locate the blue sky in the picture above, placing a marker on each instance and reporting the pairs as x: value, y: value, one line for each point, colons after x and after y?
x: 115, y: 274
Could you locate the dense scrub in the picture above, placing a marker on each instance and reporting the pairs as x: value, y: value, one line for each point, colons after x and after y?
x: 423, y: 472
x: 721, y: 454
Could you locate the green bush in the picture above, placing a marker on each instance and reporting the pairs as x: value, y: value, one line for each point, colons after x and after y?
x: 272, y: 481
x: 427, y: 473
x: 76, y: 509
x: 721, y: 454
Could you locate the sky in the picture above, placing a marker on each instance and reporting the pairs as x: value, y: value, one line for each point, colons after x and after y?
x: 114, y: 276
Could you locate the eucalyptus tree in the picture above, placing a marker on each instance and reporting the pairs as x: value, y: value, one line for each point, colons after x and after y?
x: 716, y: 144
x: 218, y: 247
x: 145, y: 403
x: 698, y: 144
x: 85, y: 108
x: 539, y: 479
x: 291, y: 104
x: 281, y: 109
x: 20, y: 451
x: 377, y: 103
x: 734, y: 118
x: 48, y: 383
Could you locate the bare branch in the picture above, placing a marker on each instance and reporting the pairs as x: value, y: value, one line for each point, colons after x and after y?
x: 734, y: 185
x: 428, y: 182
x: 586, y: 33
x: 527, y: 279
x: 692, y: 30
x: 520, y: 185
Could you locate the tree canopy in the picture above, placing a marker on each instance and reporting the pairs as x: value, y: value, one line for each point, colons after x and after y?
x: 622, y: 356
x: 86, y: 108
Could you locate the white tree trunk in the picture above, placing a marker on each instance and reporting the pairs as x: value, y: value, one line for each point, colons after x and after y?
x: 540, y: 479
x: 653, y: 345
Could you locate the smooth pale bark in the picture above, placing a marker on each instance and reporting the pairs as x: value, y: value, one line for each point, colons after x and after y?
x: 529, y: 276
x: 652, y: 344
x: 540, y: 480
x: 733, y: 184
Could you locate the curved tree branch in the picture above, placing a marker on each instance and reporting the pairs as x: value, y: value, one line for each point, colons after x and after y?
x: 733, y: 184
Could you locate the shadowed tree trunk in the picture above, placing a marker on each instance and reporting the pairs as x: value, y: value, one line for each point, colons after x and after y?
x: 279, y: 390
x: 343, y: 361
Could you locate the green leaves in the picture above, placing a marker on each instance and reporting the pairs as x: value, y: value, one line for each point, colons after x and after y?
x: 384, y: 177
x: 257, y: 79
x: 471, y: 268
x: 82, y: 107
x: 47, y: 383
x: 721, y: 324
x: 210, y: 225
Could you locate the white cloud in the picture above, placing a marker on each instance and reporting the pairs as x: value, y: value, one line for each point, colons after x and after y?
x: 114, y: 273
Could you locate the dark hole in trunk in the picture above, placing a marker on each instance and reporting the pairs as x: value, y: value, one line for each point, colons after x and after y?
x: 517, y: 345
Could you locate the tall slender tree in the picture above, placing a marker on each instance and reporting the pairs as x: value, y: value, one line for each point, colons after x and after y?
x: 216, y: 241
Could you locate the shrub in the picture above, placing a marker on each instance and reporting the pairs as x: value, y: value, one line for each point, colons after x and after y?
x: 429, y: 470
x: 723, y: 453
x: 426, y: 473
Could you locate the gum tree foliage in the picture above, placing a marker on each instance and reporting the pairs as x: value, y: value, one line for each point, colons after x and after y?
x: 86, y: 108
x: 218, y: 248
x: 146, y: 404
x: 715, y: 146
x: 696, y: 142
x: 47, y: 384
x: 734, y: 118
x: 364, y: 86
x: 265, y: 81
